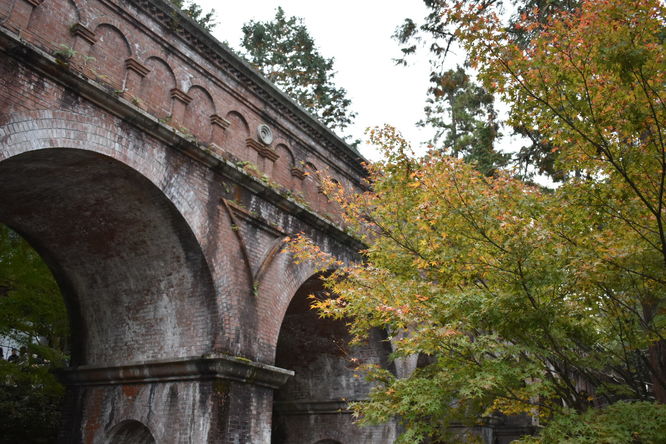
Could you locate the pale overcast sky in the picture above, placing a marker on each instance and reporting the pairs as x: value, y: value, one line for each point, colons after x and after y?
x: 357, y: 33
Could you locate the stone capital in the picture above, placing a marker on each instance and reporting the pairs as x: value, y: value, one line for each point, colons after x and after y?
x: 219, y: 121
x: 133, y: 64
x: 180, y: 95
x: 80, y: 30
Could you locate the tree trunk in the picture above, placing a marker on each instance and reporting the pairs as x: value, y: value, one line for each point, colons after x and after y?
x: 657, y: 357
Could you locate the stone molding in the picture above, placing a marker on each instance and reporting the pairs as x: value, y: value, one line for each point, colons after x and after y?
x: 302, y: 407
x: 263, y: 149
x: 80, y: 30
x: 269, y: 154
x: 207, y: 367
x: 35, y: 3
x: 254, y: 144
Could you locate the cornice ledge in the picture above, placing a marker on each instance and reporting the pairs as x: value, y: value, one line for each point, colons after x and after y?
x: 198, y: 368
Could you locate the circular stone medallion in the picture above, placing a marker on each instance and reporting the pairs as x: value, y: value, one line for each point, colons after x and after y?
x: 265, y: 134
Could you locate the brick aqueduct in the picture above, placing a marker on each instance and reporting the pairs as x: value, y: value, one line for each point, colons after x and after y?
x: 158, y: 174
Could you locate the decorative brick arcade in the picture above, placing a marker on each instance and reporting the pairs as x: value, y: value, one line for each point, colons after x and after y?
x: 158, y: 174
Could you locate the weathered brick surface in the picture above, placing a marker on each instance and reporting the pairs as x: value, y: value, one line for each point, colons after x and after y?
x: 311, y: 406
x: 126, y: 137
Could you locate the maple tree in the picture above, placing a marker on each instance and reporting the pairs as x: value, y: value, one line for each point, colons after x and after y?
x: 544, y: 302
x: 284, y: 51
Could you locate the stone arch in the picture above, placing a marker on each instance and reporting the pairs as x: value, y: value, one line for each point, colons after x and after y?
x: 155, y: 86
x: 110, y: 51
x: 113, y: 22
x: 113, y: 240
x: 274, y: 299
x: 43, y: 28
x: 198, y: 113
x: 130, y: 432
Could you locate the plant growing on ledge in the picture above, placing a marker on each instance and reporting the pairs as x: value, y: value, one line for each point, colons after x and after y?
x: 64, y: 53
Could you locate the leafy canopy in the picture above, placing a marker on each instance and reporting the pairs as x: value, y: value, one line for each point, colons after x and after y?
x: 548, y: 303
x: 283, y: 50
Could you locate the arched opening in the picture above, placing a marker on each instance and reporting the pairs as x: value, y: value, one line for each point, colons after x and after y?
x: 131, y: 272
x: 313, y: 403
x: 130, y: 432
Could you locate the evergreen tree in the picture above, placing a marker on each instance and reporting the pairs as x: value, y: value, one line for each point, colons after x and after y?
x: 195, y: 12
x: 441, y: 36
x: 465, y: 119
x: 283, y: 50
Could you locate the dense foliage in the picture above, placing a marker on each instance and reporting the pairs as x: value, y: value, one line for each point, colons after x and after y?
x: 547, y: 303
x: 284, y: 51
x: 32, y: 315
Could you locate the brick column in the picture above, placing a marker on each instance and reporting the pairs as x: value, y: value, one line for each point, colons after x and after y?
x: 179, y: 102
x: 135, y: 72
x: 220, y: 125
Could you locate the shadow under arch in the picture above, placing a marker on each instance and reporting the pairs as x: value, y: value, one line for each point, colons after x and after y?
x: 130, y: 269
x: 130, y: 432
x: 314, y: 401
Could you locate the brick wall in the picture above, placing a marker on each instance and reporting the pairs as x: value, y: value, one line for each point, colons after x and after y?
x: 129, y: 157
